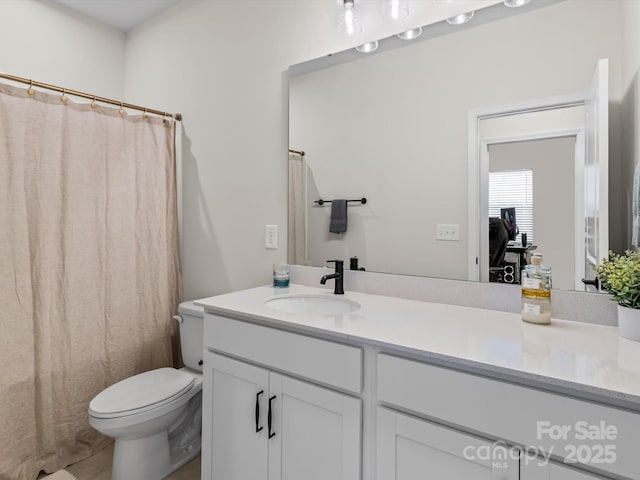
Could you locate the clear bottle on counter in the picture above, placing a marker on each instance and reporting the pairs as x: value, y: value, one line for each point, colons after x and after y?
x: 536, y: 292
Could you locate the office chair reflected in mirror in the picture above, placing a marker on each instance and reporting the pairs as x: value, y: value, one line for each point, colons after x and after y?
x: 508, y: 216
x: 498, y: 239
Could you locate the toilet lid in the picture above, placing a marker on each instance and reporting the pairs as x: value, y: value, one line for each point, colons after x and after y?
x: 142, y: 390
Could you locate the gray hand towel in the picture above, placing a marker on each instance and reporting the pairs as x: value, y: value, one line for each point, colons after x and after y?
x: 338, y: 216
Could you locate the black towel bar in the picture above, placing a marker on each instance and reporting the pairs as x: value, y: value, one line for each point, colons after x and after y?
x: 322, y: 202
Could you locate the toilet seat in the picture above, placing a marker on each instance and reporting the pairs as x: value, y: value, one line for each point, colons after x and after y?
x: 141, y: 393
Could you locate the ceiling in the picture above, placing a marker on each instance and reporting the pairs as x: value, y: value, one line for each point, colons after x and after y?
x: 120, y: 14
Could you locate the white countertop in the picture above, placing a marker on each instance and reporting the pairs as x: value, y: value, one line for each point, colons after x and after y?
x: 580, y: 359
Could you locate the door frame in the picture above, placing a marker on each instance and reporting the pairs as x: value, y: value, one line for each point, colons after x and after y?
x: 579, y: 158
x: 475, y: 147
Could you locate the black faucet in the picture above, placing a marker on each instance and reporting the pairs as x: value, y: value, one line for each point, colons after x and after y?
x: 338, y: 276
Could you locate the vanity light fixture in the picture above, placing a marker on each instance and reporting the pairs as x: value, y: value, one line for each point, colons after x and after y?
x: 515, y: 3
x: 410, y: 34
x: 460, y: 19
x: 368, y: 47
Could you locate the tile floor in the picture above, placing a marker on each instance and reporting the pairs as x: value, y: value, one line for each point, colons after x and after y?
x: 98, y: 467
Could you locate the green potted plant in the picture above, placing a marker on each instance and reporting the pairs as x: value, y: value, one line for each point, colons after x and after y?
x: 619, y: 275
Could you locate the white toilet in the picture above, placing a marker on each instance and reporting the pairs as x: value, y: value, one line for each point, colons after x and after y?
x: 156, y: 416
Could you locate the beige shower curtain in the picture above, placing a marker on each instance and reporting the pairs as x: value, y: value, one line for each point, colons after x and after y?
x: 89, y: 274
x: 297, y: 239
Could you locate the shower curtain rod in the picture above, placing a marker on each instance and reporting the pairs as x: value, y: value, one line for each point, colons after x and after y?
x: 299, y: 152
x: 95, y: 98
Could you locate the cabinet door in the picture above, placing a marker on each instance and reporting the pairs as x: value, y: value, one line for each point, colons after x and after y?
x: 233, y: 393
x: 532, y: 469
x: 412, y: 449
x: 317, y: 432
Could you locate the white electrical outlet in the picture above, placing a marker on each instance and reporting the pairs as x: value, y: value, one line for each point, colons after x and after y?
x: 448, y: 231
x: 270, y: 236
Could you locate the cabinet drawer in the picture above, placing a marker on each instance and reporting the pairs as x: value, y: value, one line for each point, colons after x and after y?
x: 318, y: 360
x: 548, y: 422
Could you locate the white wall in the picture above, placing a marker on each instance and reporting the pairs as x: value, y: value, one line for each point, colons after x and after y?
x: 223, y: 64
x: 393, y: 127
x: 49, y: 43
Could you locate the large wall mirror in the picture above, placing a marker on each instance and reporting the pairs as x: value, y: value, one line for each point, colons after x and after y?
x: 394, y: 127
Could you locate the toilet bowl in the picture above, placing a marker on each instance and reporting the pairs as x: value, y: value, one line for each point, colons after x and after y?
x: 156, y: 417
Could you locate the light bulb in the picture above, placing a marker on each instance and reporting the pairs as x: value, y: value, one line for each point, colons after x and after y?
x: 516, y: 3
x: 410, y: 34
x: 368, y: 47
x: 460, y: 19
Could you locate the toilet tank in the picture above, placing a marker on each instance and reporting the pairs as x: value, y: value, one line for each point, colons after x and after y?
x: 191, y: 334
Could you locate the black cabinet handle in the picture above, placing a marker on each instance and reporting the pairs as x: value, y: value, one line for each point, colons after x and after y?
x: 271, y: 434
x: 258, y: 428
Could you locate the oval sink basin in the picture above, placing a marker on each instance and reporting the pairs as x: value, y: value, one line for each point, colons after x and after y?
x: 309, y: 304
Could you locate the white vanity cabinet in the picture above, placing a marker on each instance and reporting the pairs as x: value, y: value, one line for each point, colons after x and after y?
x: 512, y: 414
x: 409, y: 448
x: 232, y: 447
x: 262, y: 424
x: 316, y: 432
x: 430, y: 408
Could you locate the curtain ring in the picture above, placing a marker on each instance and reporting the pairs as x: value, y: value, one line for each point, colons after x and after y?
x: 94, y: 105
x: 121, y: 111
x: 144, y: 115
x: 63, y: 97
x: 164, y: 117
x: 31, y: 91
